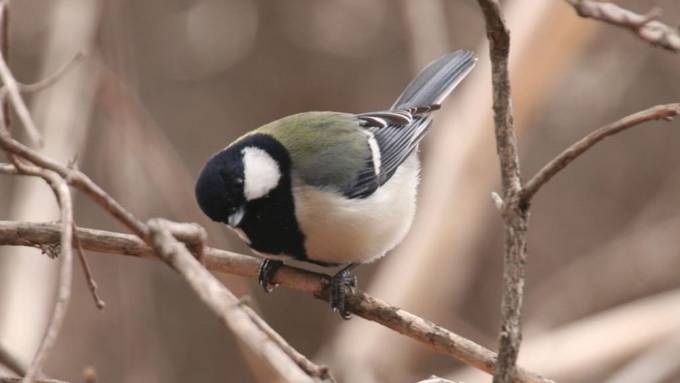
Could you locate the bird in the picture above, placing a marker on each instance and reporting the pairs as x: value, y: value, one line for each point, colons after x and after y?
x: 329, y: 188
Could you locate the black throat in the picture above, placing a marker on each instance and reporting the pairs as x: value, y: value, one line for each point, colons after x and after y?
x: 269, y: 222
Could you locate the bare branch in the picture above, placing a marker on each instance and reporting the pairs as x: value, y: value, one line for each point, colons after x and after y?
x: 313, y: 370
x: 63, y: 195
x: 8, y: 360
x: 52, y: 78
x: 506, y: 141
x: 658, y: 112
x: 646, y: 27
x: 515, y: 214
x: 47, y: 81
x: 222, y: 302
x: 361, y: 304
x: 656, y: 365
x: 91, y: 283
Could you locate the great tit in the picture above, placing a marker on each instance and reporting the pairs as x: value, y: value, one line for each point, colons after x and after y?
x: 329, y: 188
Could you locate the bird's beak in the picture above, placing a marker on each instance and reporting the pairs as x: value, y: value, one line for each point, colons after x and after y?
x: 235, y: 218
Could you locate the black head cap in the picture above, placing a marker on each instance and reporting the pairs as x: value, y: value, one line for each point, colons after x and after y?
x: 219, y: 188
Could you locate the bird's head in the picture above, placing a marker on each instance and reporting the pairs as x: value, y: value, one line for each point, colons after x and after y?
x: 245, y: 171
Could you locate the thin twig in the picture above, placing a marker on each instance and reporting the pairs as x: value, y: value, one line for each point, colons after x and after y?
x: 437, y: 338
x: 52, y: 78
x: 63, y: 195
x: 658, y: 112
x: 514, y: 213
x: 312, y: 369
x: 91, y: 283
x: 646, y: 27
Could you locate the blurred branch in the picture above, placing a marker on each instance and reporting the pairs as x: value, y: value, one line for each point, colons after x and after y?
x: 18, y: 380
x: 659, y: 112
x: 436, y: 379
x: 8, y: 360
x: 438, y: 338
x: 515, y: 214
x: 581, y: 349
x: 4, y: 51
x: 646, y: 27
x: 12, y: 88
x: 52, y: 78
x: 656, y: 365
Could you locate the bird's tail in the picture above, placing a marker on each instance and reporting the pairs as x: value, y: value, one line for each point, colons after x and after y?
x: 436, y: 81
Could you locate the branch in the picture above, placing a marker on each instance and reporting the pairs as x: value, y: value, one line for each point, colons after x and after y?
x: 10, y: 379
x: 514, y: 213
x: 91, y: 283
x: 225, y: 305
x: 646, y: 27
x: 659, y: 112
x: 8, y: 360
x: 53, y: 77
x: 65, y: 242
x: 361, y: 304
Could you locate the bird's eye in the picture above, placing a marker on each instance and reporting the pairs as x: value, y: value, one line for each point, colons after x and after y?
x: 238, y: 181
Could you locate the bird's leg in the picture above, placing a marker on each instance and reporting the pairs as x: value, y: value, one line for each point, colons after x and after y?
x: 339, y: 283
x: 268, y: 268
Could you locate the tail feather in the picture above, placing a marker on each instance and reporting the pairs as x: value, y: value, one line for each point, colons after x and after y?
x: 436, y: 81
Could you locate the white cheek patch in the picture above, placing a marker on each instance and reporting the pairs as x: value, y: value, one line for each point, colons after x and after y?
x: 260, y: 172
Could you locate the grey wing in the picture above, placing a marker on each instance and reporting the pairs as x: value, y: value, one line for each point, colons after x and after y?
x: 395, y: 134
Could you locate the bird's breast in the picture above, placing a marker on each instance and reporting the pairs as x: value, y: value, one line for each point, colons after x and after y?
x: 342, y: 230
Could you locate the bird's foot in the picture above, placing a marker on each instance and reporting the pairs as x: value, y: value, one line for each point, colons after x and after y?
x: 268, y: 268
x: 339, y: 283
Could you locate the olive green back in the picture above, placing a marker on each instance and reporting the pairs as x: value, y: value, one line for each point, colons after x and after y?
x: 327, y: 149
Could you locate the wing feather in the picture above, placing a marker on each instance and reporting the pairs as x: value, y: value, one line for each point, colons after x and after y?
x: 398, y: 131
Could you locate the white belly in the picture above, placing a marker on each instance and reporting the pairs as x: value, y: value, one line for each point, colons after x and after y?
x: 340, y: 230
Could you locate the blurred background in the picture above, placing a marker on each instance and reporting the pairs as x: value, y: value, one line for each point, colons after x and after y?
x: 165, y: 83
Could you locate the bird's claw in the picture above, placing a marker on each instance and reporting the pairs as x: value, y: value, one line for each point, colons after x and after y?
x: 268, y: 268
x: 339, y: 283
